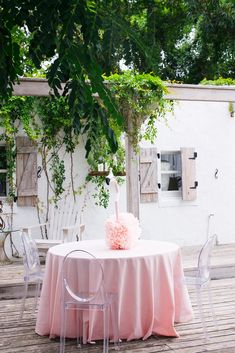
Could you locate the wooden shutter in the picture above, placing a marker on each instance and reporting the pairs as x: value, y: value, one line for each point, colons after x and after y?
x: 189, y: 183
x: 26, y: 171
x: 148, y: 175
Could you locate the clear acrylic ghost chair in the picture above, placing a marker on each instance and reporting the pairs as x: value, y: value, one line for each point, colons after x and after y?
x: 202, y: 280
x: 32, y: 268
x: 82, y: 293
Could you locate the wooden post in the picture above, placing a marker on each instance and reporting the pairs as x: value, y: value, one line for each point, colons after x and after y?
x: 132, y: 173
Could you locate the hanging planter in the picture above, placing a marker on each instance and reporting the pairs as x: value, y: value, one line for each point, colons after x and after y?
x: 105, y: 173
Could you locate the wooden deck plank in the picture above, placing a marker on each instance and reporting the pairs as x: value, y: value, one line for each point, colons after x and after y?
x: 222, y: 256
x: 20, y: 337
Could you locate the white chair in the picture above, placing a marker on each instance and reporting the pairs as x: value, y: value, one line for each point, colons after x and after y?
x: 32, y: 268
x: 64, y: 224
x: 202, y: 281
x: 82, y: 292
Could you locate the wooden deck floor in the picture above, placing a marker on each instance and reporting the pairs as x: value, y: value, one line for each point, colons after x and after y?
x: 20, y: 337
x: 222, y: 260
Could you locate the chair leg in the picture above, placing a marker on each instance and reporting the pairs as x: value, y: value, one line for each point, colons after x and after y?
x: 115, y: 324
x: 79, y: 328
x: 212, y: 307
x: 38, y: 286
x: 201, y: 312
x: 23, y: 300
x: 62, y: 330
x: 106, y: 329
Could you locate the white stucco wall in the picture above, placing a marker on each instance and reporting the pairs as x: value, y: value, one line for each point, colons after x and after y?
x: 208, y: 127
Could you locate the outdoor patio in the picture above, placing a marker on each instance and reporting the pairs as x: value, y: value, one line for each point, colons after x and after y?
x: 20, y: 337
x: 115, y: 120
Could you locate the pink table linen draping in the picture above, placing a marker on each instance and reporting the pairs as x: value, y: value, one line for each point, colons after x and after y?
x: 148, y: 280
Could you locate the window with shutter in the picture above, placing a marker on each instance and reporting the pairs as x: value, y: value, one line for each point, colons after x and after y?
x: 148, y: 175
x: 168, y: 177
x: 189, y: 185
x: 26, y: 171
x: 177, y: 171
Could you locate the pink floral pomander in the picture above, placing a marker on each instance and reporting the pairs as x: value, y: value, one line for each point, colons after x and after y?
x: 122, y: 234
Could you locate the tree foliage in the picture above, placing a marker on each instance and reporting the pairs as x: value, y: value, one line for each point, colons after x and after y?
x: 211, y: 52
x: 184, y: 40
x: 188, y: 39
x: 77, y: 42
x: 68, y: 34
x: 80, y: 40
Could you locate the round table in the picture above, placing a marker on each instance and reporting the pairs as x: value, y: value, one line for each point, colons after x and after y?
x: 148, y: 280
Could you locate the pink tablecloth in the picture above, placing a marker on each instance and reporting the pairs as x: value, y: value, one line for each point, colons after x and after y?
x: 148, y: 280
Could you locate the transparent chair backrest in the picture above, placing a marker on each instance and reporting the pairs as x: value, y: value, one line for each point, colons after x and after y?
x: 204, y: 258
x: 85, y: 282
x: 31, y: 256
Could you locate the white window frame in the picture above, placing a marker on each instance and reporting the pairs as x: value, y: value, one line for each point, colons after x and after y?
x: 168, y: 198
x: 168, y: 193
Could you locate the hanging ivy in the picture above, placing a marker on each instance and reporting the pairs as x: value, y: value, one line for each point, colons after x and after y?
x: 58, y: 176
x: 48, y: 120
x: 141, y: 99
x: 9, y: 122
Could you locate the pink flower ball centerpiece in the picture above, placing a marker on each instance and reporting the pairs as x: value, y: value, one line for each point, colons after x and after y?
x: 122, y: 233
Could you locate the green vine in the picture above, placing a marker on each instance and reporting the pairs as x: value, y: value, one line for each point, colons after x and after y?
x: 222, y: 82
x: 101, y: 194
x: 219, y: 82
x: 58, y: 176
x: 47, y: 120
x: 8, y: 122
x: 141, y: 98
x: 43, y: 120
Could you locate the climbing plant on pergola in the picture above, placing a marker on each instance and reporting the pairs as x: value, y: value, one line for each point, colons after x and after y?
x: 39, y: 87
x: 81, y: 40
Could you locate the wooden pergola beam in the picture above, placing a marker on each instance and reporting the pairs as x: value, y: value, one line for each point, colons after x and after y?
x: 32, y: 87
x: 206, y: 93
x: 132, y: 173
x: 40, y: 87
